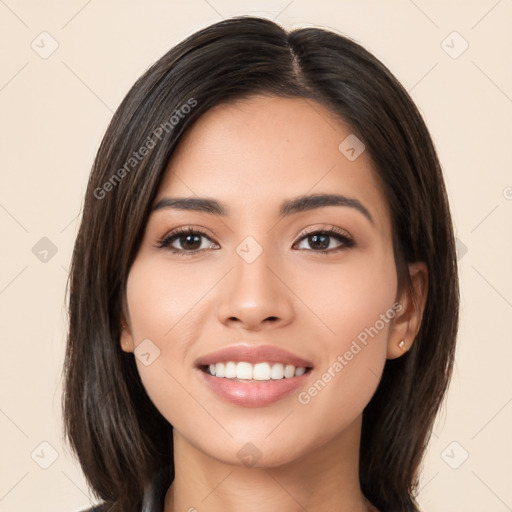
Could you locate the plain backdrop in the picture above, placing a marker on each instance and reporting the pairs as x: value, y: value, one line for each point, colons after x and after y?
x: 65, y: 66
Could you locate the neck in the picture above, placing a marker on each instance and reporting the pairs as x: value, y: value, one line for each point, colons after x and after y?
x: 323, y: 479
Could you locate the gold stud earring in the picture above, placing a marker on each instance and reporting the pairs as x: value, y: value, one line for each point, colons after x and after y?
x: 402, y: 345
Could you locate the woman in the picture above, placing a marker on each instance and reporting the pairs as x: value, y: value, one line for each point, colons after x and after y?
x: 263, y: 298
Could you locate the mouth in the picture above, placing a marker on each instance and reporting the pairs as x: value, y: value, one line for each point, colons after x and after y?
x: 249, y: 375
x: 243, y: 371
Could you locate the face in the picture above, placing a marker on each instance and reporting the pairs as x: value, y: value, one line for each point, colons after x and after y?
x: 255, y: 276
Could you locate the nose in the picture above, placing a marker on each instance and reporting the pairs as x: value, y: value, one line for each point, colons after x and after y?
x: 255, y: 295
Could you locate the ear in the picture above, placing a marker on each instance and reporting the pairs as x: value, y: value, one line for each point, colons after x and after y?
x: 126, y: 338
x: 407, y: 322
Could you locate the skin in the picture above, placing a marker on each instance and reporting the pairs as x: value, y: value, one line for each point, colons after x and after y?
x: 253, y: 154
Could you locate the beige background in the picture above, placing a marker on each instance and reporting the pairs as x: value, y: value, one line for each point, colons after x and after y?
x: 54, y: 111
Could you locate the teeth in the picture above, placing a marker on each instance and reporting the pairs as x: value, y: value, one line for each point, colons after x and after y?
x: 277, y: 371
x: 230, y: 371
x: 289, y: 371
x: 261, y: 371
x: 258, y: 371
x: 243, y: 371
x: 220, y: 369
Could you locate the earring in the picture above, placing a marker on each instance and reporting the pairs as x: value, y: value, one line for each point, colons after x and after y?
x: 402, y: 345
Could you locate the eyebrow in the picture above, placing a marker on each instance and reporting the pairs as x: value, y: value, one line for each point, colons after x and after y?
x: 288, y: 207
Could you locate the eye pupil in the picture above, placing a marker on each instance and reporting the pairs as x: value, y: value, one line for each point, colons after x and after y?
x: 195, y: 239
x: 323, y: 244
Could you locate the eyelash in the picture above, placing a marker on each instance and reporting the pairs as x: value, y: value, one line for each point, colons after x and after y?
x: 333, y: 232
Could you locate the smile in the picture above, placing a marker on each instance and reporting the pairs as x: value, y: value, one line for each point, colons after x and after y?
x: 245, y: 371
x: 249, y: 375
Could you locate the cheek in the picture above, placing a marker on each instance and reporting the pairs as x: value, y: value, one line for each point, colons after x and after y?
x: 163, y: 305
x: 161, y: 299
x: 349, y: 297
x: 356, y: 305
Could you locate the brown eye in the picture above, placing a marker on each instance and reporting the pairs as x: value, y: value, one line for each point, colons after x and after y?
x: 189, y: 241
x: 319, y: 241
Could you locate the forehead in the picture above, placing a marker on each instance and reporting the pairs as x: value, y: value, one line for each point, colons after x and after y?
x: 255, y: 152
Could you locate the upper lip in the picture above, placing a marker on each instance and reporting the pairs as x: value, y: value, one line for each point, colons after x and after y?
x: 253, y: 354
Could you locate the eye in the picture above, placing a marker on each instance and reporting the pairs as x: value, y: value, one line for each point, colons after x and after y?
x: 320, y: 240
x: 189, y: 238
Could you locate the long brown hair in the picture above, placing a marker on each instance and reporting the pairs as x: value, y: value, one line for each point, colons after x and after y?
x: 122, y: 442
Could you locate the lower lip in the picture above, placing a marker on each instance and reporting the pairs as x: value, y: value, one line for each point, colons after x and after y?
x: 253, y: 394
